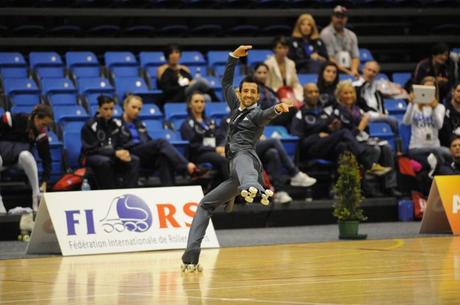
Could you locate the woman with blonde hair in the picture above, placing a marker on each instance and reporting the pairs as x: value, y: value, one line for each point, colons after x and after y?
x: 306, y: 48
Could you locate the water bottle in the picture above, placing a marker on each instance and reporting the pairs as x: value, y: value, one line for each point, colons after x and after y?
x: 85, y: 185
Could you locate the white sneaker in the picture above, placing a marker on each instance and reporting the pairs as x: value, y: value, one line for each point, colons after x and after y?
x: 302, y: 179
x: 2, y: 208
x: 281, y: 198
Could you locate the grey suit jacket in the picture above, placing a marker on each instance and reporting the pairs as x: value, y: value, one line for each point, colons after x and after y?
x: 252, y: 126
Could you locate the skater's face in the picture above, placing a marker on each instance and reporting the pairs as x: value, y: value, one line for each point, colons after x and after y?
x: 347, y: 95
x: 455, y: 149
x: 456, y: 94
x: 249, y: 94
x: 371, y: 69
x: 132, y: 107
x: 330, y: 74
x: 197, y: 104
x: 106, y: 111
x: 261, y: 74
x: 311, y: 94
x: 42, y: 123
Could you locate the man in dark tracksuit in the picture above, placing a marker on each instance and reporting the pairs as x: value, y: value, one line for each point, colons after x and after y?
x: 103, y: 139
x: 153, y: 154
x: 454, y: 167
x: 246, y: 126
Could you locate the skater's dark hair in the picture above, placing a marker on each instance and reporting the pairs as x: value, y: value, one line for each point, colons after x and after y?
x: 104, y: 99
x: 249, y: 79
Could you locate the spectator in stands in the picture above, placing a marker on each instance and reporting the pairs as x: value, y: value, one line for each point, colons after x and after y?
x: 322, y: 135
x: 274, y: 157
x: 201, y: 132
x: 452, y: 168
x: 341, y: 43
x: 425, y: 122
x: 438, y: 65
x: 328, y: 78
x: 306, y: 49
x: 176, y: 81
x: 19, y: 132
x: 268, y: 97
x: 103, y: 140
x: 354, y: 119
x: 153, y: 154
x: 370, y: 99
x: 451, y: 123
x: 282, y: 72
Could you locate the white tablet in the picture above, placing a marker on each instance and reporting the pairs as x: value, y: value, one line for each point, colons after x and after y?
x: 423, y: 94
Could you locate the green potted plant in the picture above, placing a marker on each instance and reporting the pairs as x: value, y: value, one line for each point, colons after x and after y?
x: 347, y: 204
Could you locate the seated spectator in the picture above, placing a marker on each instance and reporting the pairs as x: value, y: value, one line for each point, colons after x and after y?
x: 282, y: 72
x: 341, y: 43
x: 268, y: 97
x: 274, y: 157
x: 322, y: 135
x: 176, y: 81
x: 352, y: 118
x: 370, y: 99
x: 103, y: 140
x: 201, y: 132
x: 306, y: 49
x: 425, y: 122
x: 438, y: 65
x: 328, y: 78
x: 19, y: 132
x: 451, y: 123
x: 454, y: 167
x: 153, y: 154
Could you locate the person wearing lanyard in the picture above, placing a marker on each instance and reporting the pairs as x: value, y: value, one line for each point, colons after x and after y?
x: 153, y: 153
x: 247, y: 122
x: 200, y: 131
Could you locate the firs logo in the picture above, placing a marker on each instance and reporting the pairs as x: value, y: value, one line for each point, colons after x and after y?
x: 129, y: 213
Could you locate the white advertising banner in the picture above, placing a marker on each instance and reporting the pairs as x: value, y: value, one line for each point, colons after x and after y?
x: 123, y: 220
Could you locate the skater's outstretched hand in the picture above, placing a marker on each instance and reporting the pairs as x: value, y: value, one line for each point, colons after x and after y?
x: 242, y: 51
x: 283, y: 107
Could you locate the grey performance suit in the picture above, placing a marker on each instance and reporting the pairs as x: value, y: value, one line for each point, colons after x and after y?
x: 246, y: 127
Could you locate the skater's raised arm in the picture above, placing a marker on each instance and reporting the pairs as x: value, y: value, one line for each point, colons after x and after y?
x: 227, y: 80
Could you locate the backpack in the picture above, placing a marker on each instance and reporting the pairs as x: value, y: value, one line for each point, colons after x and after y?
x: 70, y: 181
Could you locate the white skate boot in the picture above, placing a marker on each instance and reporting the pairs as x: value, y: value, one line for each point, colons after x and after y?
x: 190, y: 268
x: 26, y: 225
x: 249, y: 194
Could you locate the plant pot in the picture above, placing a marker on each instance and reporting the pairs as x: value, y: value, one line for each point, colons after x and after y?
x: 348, y: 229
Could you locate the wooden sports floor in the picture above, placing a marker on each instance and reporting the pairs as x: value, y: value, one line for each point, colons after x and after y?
x: 394, y: 271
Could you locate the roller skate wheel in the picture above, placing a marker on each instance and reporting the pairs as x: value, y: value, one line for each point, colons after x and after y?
x: 253, y: 192
x: 26, y: 238
x: 20, y: 237
x: 269, y: 193
x: 190, y: 268
x: 264, y: 200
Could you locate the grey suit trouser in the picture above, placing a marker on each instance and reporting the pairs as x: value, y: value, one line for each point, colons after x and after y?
x: 245, y: 171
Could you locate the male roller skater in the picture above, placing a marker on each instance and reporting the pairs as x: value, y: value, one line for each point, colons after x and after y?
x: 247, y: 122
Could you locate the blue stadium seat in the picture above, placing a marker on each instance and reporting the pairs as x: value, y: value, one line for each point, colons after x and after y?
x: 343, y: 76
x: 46, y: 64
x: 150, y: 111
x: 22, y: 108
x: 381, y: 76
x: 192, y: 58
x: 401, y: 78
x: 219, y: 70
x: 59, y: 91
x: 12, y: 65
x: 153, y: 124
x: 395, y: 106
x: 289, y: 141
x: 175, y: 113
x: 92, y: 87
x: 121, y: 64
x: 56, y: 149
x: 151, y: 59
x: 69, y: 113
x: 21, y: 91
x: 117, y: 111
x: 199, y: 70
x: 82, y: 64
x: 71, y: 137
x: 217, y: 58
x: 405, y: 134
x: 381, y: 130
x: 217, y: 111
x: 136, y: 86
x: 215, y: 84
x: 173, y: 137
x: 365, y: 55
x: 307, y: 78
x: 256, y: 56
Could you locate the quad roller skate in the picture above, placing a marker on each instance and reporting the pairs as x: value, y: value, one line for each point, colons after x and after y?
x: 26, y: 224
x: 190, y: 268
x: 250, y: 194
